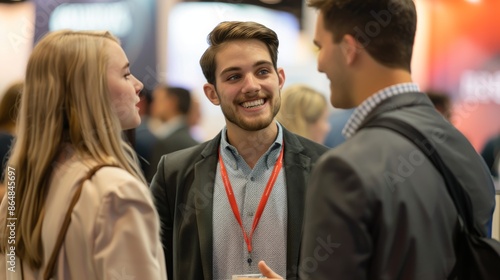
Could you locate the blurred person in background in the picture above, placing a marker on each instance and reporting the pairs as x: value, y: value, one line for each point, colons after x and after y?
x: 337, y: 120
x: 171, y: 105
x: 144, y: 137
x: 9, y: 108
x: 304, y: 111
x: 194, y: 119
x: 491, y: 154
x: 441, y: 102
x: 78, y: 97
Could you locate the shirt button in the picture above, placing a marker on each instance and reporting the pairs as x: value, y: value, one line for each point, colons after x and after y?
x: 250, y: 214
x: 252, y: 179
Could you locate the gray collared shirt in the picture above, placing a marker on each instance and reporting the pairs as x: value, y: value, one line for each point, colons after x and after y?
x: 230, y: 253
x: 370, y: 103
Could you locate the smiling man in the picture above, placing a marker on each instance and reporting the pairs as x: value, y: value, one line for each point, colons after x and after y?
x: 237, y: 199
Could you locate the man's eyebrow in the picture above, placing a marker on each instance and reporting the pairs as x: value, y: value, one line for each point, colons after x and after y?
x: 229, y: 69
x: 256, y: 64
x: 262, y: 62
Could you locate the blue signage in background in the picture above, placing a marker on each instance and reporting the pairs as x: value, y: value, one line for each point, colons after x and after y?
x: 132, y: 21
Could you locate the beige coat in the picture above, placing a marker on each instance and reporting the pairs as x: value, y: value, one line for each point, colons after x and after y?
x: 114, y: 231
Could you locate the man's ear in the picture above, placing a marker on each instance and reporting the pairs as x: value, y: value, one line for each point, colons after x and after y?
x: 281, y: 77
x: 211, y: 93
x: 350, y: 49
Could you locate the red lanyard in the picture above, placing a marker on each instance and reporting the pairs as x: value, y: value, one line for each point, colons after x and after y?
x: 263, y: 200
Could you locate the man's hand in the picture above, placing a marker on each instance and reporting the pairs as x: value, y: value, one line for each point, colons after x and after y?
x: 267, y: 272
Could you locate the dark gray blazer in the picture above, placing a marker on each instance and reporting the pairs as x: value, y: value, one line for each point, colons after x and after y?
x: 183, y: 189
x: 378, y: 209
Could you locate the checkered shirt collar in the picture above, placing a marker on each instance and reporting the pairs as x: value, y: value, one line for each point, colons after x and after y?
x: 371, y: 102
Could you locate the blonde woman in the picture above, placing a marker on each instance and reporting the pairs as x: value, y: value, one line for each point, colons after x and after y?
x: 78, y: 97
x: 304, y: 111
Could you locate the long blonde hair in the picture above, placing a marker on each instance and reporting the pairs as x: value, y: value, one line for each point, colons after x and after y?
x: 65, y: 100
x: 301, y: 106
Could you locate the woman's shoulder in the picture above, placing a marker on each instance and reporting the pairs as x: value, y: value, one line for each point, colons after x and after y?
x: 105, y: 180
x: 115, y: 174
x: 113, y: 179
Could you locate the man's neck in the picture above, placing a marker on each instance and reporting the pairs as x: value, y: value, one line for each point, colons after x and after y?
x: 377, y: 80
x: 251, y: 145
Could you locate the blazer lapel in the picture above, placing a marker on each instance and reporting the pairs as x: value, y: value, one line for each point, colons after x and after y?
x: 297, y: 166
x: 203, y: 186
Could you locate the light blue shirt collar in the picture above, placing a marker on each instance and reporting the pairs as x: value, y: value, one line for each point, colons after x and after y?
x: 230, y: 155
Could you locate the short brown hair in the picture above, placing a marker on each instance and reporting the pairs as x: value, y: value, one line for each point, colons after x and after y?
x: 386, y: 28
x: 236, y: 30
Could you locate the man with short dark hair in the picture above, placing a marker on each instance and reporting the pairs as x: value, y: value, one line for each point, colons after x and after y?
x: 376, y: 207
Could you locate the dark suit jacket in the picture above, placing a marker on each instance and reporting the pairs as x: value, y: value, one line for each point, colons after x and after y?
x: 183, y: 189
x: 491, y: 154
x: 5, y: 146
x: 378, y: 209
x: 145, y: 141
x: 179, y: 139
